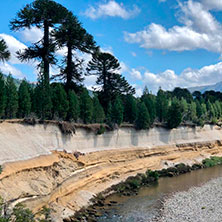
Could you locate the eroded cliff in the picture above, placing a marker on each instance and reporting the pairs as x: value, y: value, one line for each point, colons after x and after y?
x: 41, y: 166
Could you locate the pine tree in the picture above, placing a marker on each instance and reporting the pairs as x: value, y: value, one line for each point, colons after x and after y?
x: 4, y: 52
x: 174, y: 115
x: 161, y: 105
x: 192, y: 111
x: 72, y: 35
x: 111, y: 84
x: 42, y: 14
x: 24, y: 100
x: 86, y: 107
x: 42, y: 101
x: 98, y: 112
x: 59, y: 101
x: 149, y: 101
x: 74, y: 109
x: 130, y: 109
x: 2, y: 96
x: 143, y: 118
x: 11, y: 98
x: 117, y: 111
x: 199, y: 109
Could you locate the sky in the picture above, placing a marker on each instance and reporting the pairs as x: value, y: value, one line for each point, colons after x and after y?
x: 159, y: 43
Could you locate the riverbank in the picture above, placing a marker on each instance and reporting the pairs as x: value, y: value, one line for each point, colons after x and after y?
x: 197, y: 204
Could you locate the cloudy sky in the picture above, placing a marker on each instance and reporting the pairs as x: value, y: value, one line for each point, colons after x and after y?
x: 165, y: 43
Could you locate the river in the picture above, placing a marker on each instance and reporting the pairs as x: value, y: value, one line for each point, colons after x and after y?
x: 146, y: 205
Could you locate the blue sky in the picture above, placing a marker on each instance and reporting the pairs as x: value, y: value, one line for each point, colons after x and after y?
x: 163, y: 43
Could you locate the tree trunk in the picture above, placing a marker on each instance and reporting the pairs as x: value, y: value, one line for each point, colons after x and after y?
x: 46, y: 54
x: 69, y: 67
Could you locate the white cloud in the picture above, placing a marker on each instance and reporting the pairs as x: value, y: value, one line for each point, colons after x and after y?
x: 212, y: 4
x: 112, y: 9
x: 200, y: 30
x: 6, y: 68
x: 135, y: 74
x: 33, y: 34
x: 168, y: 79
x: 13, y: 45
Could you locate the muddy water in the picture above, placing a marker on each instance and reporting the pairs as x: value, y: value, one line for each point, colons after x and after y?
x: 146, y: 205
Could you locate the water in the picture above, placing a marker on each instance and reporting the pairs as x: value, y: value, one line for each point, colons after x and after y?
x: 146, y: 205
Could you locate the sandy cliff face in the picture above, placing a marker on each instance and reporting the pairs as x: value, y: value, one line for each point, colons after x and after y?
x: 66, y: 182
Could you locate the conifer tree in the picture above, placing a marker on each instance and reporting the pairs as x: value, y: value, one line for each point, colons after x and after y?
x: 59, y: 101
x: 174, y: 115
x: 112, y: 84
x: 161, y: 105
x: 192, y: 111
x: 2, y: 96
x: 24, y: 100
x: 4, y: 52
x: 42, y: 102
x: 72, y: 35
x: 41, y: 14
x: 74, y: 109
x: 149, y: 101
x: 117, y: 111
x: 199, y: 109
x: 130, y: 109
x: 86, y: 107
x: 11, y: 98
x: 143, y: 118
x: 98, y: 112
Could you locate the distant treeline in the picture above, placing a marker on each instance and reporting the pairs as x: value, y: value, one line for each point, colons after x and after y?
x: 169, y: 108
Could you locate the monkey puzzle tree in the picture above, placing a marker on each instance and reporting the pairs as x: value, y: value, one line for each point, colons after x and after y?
x: 42, y: 14
x: 4, y: 52
x: 72, y: 35
x: 106, y: 66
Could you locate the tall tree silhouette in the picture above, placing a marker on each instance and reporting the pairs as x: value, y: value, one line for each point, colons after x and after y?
x: 42, y: 14
x: 72, y: 35
x: 111, y: 84
x: 4, y: 52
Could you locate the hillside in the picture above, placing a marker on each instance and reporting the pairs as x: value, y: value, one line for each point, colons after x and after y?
x: 215, y: 87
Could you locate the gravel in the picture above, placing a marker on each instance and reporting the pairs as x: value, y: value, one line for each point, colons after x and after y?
x: 198, y: 204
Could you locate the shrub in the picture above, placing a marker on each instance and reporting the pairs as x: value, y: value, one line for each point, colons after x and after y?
x: 0, y: 169
x: 101, y: 130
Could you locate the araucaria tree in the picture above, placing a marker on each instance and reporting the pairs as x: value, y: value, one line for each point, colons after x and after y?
x: 42, y: 14
x: 72, y: 35
x: 111, y: 84
x: 4, y: 52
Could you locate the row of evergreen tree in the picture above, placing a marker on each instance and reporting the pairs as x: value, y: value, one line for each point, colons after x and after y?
x: 170, y: 108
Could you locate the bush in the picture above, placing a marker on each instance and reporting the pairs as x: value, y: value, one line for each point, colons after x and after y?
x: 101, y: 130
x: 213, y: 161
x: 0, y: 169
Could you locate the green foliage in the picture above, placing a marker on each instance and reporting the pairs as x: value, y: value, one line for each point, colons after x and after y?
x: 42, y: 101
x: 101, y: 130
x: 161, y: 105
x: 130, y: 109
x: 105, y: 66
x: 149, y: 101
x: 59, y: 101
x: 74, y: 109
x: 86, y: 107
x: 4, y: 52
x: 143, y: 118
x: 0, y: 169
x: 24, y: 100
x: 174, y: 115
x: 22, y: 214
x: 11, y: 98
x: 98, y: 112
x: 213, y: 161
x: 2, y: 96
x: 117, y: 111
x: 72, y: 35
